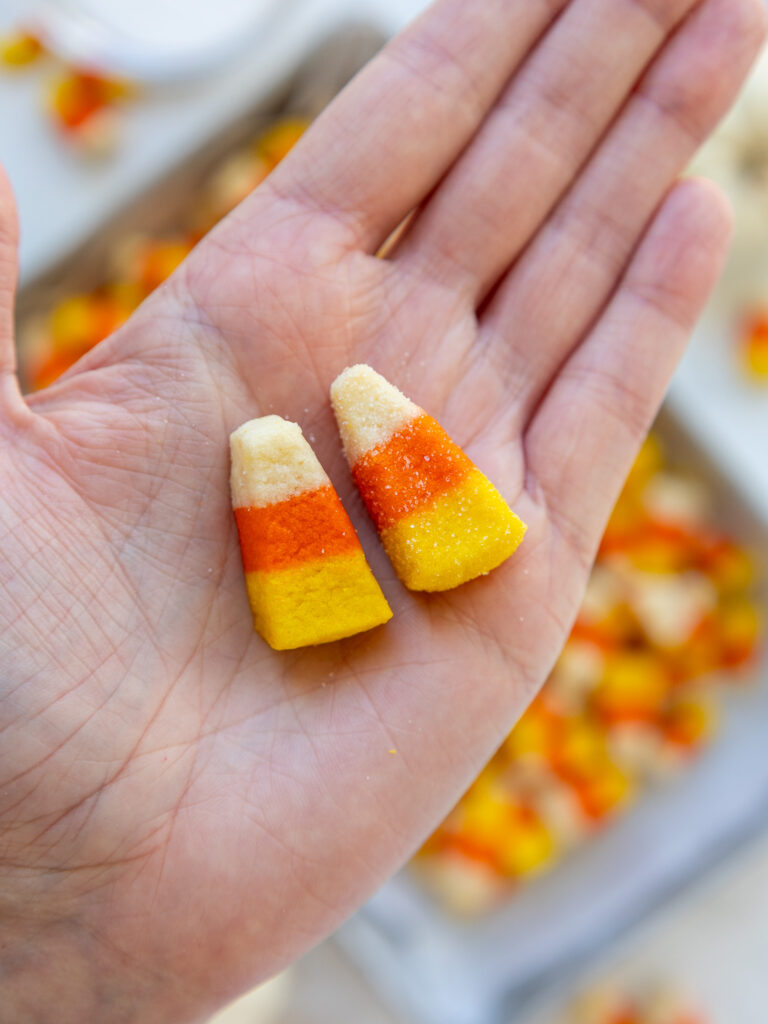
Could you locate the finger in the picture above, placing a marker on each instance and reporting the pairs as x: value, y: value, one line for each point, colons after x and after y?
x: 565, y: 277
x: 382, y: 145
x: 533, y: 143
x: 581, y: 443
x: 9, y: 236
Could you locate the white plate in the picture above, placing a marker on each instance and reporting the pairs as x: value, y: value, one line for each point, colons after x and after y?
x: 151, y: 40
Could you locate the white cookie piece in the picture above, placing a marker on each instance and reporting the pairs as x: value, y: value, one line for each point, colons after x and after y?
x: 272, y: 461
x: 369, y: 410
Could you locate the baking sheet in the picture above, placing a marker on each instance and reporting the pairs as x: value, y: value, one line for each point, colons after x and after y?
x: 441, y: 970
x: 164, y: 207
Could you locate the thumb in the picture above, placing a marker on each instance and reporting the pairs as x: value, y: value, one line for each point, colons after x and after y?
x: 9, y: 235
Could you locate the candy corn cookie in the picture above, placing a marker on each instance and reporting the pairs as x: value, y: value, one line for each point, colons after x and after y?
x: 441, y: 521
x: 307, y: 578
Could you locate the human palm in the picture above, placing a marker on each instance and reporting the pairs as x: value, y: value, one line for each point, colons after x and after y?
x: 183, y: 811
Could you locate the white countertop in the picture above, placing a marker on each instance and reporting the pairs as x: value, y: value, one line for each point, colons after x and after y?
x: 709, y: 943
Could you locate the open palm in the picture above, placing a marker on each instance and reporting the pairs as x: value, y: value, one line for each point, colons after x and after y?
x: 182, y: 810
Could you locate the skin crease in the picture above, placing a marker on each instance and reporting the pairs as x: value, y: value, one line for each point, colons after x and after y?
x: 182, y: 811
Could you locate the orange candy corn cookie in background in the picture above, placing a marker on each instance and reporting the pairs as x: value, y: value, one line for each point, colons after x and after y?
x: 307, y: 578
x: 755, y: 347
x: 609, y: 1004
x: 440, y: 520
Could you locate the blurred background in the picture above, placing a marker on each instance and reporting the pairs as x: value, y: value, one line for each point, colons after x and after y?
x: 610, y: 865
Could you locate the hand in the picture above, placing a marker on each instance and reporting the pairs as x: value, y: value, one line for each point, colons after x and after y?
x: 183, y: 811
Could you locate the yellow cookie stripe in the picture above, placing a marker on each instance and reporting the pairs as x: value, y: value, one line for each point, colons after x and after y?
x: 465, y: 532
x: 317, y: 602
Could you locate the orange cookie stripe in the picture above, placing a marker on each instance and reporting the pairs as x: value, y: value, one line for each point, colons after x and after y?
x: 416, y: 465
x: 290, y: 533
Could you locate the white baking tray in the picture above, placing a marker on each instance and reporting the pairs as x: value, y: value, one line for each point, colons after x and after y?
x: 314, y: 73
x: 64, y: 199
x: 440, y: 969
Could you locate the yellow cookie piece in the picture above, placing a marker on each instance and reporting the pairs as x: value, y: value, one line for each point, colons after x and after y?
x: 464, y: 533
x: 316, y: 603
